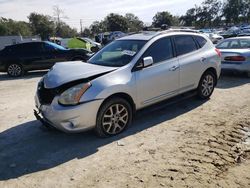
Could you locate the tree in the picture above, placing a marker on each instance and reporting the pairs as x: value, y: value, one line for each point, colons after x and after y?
x: 97, y: 27
x: 208, y: 14
x: 41, y: 25
x: 11, y: 27
x: 58, y: 15
x: 232, y: 10
x: 65, y: 31
x: 163, y: 18
x: 133, y: 22
x: 246, y: 11
x: 86, y: 32
x: 190, y: 17
x: 116, y: 22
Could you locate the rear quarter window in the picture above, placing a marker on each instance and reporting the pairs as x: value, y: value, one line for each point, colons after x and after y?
x: 184, y: 44
x: 200, y: 40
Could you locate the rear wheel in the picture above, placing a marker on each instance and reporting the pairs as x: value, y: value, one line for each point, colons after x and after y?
x: 114, y: 116
x: 15, y: 70
x: 206, y: 85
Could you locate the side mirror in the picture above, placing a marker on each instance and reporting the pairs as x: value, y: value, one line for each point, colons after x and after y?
x: 147, y: 61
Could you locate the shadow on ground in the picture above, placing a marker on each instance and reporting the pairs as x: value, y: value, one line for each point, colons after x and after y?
x: 230, y: 80
x: 29, y: 148
x: 28, y: 75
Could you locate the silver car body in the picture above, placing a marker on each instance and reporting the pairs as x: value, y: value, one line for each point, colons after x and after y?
x: 237, y: 51
x: 144, y: 87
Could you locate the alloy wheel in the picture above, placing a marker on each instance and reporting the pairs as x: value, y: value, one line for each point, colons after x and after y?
x: 115, y: 119
x: 207, y: 85
x: 15, y: 70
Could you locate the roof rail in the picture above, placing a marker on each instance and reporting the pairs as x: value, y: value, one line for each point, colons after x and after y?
x: 180, y: 30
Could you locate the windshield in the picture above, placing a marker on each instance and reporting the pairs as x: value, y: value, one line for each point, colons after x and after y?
x: 118, y: 53
x: 56, y: 46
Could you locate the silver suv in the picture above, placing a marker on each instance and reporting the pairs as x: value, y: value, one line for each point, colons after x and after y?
x: 128, y: 74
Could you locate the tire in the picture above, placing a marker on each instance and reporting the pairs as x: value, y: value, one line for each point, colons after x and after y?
x: 109, y: 122
x: 206, y: 85
x: 15, y: 70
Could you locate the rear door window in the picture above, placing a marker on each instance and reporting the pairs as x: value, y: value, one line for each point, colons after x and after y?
x: 223, y: 45
x: 160, y: 50
x: 184, y: 44
x: 234, y: 44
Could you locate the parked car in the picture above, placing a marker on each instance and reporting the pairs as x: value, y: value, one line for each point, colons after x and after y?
x: 245, y: 32
x: 215, y: 38
x: 95, y: 46
x: 230, y: 33
x: 129, y: 74
x: 236, y: 54
x: 19, y: 58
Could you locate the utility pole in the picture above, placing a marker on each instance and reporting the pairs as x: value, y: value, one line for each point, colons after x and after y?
x: 81, y: 26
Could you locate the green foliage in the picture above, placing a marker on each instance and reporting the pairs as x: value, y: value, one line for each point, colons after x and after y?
x: 65, y: 31
x: 116, y: 22
x: 232, y: 10
x: 11, y: 27
x: 97, y: 27
x: 133, y: 22
x: 163, y: 18
x: 41, y: 25
x: 213, y: 13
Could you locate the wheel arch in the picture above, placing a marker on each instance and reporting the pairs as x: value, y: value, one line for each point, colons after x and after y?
x: 213, y: 70
x: 123, y: 95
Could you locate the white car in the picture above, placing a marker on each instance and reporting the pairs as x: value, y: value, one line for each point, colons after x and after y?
x: 128, y: 74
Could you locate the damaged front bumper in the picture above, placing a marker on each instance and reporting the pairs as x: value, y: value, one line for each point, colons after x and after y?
x: 68, y: 119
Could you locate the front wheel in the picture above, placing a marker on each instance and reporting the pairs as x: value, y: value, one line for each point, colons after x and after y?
x: 114, y: 116
x: 15, y: 70
x: 206, y: 85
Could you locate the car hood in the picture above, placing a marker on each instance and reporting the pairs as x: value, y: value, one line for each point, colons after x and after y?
x: 63, y: 73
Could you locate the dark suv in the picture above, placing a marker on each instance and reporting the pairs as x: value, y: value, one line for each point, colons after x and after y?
x: 19, y: 58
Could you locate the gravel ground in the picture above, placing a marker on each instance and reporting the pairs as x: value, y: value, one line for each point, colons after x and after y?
x: 189, y: 143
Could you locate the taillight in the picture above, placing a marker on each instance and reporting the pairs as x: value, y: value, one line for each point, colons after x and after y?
x: 218, y: 52
x: 235, y: 58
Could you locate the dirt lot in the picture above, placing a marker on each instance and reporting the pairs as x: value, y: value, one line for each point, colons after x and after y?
x: 190, y: 143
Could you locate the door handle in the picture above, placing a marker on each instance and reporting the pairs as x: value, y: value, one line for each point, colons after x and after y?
x: 174, y: 68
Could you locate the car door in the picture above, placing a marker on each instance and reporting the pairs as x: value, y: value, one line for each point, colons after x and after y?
x: 160, y: 80
x: 30, y: 55
x: 53, y: 54
x: 190, y: 61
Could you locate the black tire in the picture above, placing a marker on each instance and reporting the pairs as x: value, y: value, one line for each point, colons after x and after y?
x: 206, y: 85
x: 115, y: 121
x: 15, y: 70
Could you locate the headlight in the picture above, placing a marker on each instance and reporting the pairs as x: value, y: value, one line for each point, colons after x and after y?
x: 73, y: 95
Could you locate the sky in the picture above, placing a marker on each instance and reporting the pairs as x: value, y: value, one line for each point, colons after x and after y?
x: 92, y: 10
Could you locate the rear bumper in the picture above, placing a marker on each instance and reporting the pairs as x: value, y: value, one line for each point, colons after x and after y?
x: 68, y: 119
x: 240, y: 67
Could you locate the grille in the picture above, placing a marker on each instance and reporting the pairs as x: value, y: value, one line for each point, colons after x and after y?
x: 45, y: 96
